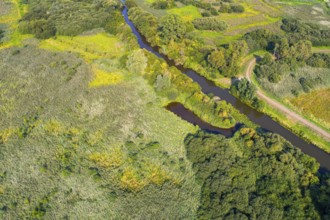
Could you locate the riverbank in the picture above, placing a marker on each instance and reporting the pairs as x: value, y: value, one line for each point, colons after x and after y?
x: 265, y: 122
x: 288, y: 118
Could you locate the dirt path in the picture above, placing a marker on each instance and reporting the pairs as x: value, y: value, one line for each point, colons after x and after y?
x: 282, y: 108
x: 320, y: 50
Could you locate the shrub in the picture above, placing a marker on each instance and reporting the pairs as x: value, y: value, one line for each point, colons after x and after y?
x: 212, y: 23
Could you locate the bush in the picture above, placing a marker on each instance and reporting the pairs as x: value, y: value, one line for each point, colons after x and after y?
x: 237, y: 8
x: 45, y: 19
x: 163, y: 4
x: 319, y: 60
x: 171, y: 27
x: 212, y: 23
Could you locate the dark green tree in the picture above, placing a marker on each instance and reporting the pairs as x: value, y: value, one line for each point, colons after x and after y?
x: 217, y: 59
x: 171, y: 27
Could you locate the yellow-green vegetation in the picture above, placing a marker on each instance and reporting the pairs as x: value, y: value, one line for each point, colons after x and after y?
x: 299, y: 2
x: 13, y: 13
x: 90, y: 47
x: 10, y: 19
x: 113, y: 158
x: 187, y: 13
x: 297, y: 128
x: 103, y: 78
x: 116, y: 145
x: 290, y: 124
x: 315, y: 104
x: 256, y: 14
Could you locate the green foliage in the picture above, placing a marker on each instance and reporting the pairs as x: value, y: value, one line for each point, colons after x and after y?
x: 261, y: 39
x: 137, y: 62
x: 235, y: 51
x: 217, y: 59
x: 229, y: 7
x: 322, y: 196
x: 252, y: 175
x: 212, y: 23
x: 130, y: 3
x: 145, y: 22
x: 47, y: 18
x: 319, y: 60
x: 171, y: 27
x: 163, y: 4
x: 308, y: 84
x: 299, y: 30
x: 299, y: 51
x: 87, y: 152
x: 289, y: 84
x: 169, y: 81
x: 244, y: 89
x: 271, y: 70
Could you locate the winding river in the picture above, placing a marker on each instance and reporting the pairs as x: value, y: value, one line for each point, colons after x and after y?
x: 207, y: 86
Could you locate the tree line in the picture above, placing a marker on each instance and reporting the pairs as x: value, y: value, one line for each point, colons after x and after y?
x: 256, y: 175
x: 48, y: 18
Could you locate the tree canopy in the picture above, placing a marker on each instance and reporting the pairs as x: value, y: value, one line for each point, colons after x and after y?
x: 171, y: 27
x: 253, y: 175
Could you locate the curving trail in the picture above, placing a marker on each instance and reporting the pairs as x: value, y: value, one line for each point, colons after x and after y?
x: 282, y: 108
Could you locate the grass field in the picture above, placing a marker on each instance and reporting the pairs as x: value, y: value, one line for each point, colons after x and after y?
x: 71, y: 110
x: 90, y: 47
x: 187, y: 13
x: 10, y: 14
x: 298, y: 2
x: 84, y: 133
x: 315, y: 104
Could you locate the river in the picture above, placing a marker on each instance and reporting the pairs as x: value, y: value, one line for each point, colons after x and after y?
x: 207, y: 86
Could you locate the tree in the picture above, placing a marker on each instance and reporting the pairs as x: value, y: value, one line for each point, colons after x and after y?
x: 137, y: 62
x: 303, y: 50
x: 171, y: 27
x: 282, y: 49
x: 245, y: 90
x: 217, y: 59
x: 267, y: 59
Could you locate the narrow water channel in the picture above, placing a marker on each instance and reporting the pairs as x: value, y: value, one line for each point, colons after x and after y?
x: 207, y: 86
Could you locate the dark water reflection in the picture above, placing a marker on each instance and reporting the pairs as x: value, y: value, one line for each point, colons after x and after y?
x: 207, y: 86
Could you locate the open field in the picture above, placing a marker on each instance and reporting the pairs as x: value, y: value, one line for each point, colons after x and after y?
x: 10, y: 14
x: 312, y: 11
x: 257, y: 14
x: 316, y: 104
x: 90, y: 47
x: 297, y: 2
x: 76, y: 135
x: 187, y: 13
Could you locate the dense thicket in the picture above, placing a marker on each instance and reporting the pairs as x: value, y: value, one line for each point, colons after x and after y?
x: 253, y: 175
x: 319, y: 60
x: 299, y: 30
x: 289, y: 52
x: 226, y: 59
x: 47, y: 18
x: 225, y: 7
x: 260, y: 39
x: 246, y: 91
x: 171, y: 27
x: 163, y: 4
x: 212, y: 23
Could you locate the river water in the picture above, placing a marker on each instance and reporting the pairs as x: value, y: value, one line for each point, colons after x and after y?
x: 207, y: 86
